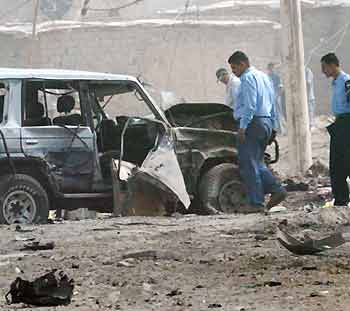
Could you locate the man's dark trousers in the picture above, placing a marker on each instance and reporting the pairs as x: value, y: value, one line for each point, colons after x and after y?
x: 257, y: 178
x: 340, y: 158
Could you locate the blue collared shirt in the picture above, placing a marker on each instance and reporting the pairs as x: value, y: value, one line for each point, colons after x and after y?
x: 255, y: 98
x: 339, y: 101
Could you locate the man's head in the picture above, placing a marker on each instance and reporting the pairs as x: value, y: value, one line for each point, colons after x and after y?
x: 222, y: 75
x: 239, y: 62
x: 330, y: 65
x: 270, y: 67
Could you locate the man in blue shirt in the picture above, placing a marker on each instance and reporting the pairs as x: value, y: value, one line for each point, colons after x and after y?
x: 279, y: 99
x: 339, y: 130
x: 255, y: 112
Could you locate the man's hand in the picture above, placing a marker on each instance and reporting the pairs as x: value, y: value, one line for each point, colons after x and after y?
x: 241, y: 136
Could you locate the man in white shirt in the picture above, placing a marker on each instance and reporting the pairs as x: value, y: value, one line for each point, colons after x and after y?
x: 232, y: 84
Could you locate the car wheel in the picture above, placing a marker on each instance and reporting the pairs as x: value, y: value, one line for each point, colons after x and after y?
x: 221, y: 190
x: 22, y: 200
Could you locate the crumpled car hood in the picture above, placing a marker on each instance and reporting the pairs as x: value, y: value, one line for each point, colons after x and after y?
x: 202, y: 115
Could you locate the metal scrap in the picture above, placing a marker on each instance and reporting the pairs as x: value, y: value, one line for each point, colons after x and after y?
x: 309, y: 246
x: 51, y: 289
x: 37, y: 246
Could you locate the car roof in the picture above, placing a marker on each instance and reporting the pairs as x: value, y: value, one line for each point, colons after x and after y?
x: 60, y: 74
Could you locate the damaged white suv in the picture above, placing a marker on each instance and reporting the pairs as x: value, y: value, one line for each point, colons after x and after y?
x: 63, y: 131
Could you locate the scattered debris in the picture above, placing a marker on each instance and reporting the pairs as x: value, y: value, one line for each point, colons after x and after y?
x: 324, y: 192
x: 11, y: 256
x: 319, y: 294
x: 309, y: 268
x: 147, y: 287
x: 308, y: 208
x: 290, y: 185
x: 51, y: 289
x: 215, y: 306
x: 272, y: 283
x: 36, y: 246
x: 175, y: 292
x: 19, y: 270
x: 142, y: 223
x: 104, y: 229
x: 23, y: 239
x: 250, y: 285
x: 318, y: 168
x: 125, y: 264
x: 199, y: 287
x: 261, y: 237
x: 320, y: 283
x: 308, y: 246
x: 328, y: 204
x: 108, y: 262
x: 151, y: 254
x: 18, y: 228
x: 277, y: 209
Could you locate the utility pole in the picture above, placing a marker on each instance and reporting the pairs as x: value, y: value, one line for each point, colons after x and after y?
x: 299, y: 136
x: 33, y: 37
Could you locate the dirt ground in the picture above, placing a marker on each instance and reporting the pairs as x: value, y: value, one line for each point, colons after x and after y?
x: 188, y: 262
x: 320, y: 145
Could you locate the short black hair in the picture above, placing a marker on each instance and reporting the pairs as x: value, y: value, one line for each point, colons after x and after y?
x: 330, y: 58
x: 238, y: 57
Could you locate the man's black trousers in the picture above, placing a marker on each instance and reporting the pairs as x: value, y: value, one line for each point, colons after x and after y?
x: 340, y: 158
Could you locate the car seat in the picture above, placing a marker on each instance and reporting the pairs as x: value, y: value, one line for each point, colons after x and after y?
x: 65, y: 104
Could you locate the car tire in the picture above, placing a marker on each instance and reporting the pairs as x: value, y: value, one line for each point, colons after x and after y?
x: 22, y: 200
x: 221, y: 190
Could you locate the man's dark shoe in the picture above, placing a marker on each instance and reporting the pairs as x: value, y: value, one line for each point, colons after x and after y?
x: 276, y: 198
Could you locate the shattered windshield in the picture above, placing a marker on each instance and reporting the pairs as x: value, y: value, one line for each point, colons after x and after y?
x: 121, y: 99
x: 164, y: 98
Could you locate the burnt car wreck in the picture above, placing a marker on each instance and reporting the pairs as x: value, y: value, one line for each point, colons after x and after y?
x: 77, y: 139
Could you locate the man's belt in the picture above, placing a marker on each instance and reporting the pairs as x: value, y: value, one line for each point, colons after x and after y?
x: 343, y: 116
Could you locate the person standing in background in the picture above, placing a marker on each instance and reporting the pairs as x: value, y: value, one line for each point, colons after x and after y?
x: 232, y: 84
x: 309, y: 77
x: 280, y: 105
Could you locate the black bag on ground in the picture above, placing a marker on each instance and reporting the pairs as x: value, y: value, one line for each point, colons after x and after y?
x: 51, y: 289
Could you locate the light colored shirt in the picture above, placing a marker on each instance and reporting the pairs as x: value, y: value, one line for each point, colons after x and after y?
x: 276, y: 82
x: 339, y: 99
x: 309, y: 77
x: 255, y: 98
x: 232, y: 89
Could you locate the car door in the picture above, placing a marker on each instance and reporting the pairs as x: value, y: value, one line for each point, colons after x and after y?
x: 160, y: 167
x: 68, y: 150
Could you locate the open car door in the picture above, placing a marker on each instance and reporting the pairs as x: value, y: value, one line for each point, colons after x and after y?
x: 158, y: 180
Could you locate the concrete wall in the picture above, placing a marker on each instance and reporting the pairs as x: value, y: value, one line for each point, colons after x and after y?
x: 181, y: 58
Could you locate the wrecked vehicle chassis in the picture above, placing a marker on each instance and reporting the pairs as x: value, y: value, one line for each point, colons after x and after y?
x: 206, y: 139
x: 68, y: 137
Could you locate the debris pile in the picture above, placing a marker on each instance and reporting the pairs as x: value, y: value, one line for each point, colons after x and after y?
x: 51, y: 289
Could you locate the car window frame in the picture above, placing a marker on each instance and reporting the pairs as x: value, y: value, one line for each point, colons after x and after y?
x: 83, y: 107
x: 7, y: 84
